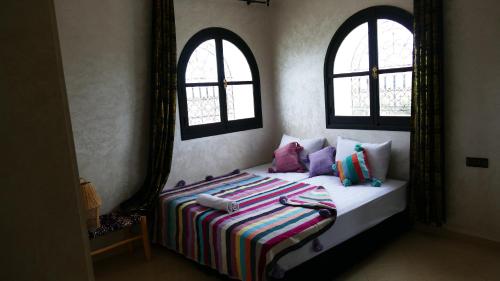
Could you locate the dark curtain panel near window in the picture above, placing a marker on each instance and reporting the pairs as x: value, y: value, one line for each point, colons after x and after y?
x: 163, y: 95
x: 427, y: 195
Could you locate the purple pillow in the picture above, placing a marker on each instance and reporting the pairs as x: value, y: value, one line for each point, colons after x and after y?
x: 287, y: 159
x: 321, y: 162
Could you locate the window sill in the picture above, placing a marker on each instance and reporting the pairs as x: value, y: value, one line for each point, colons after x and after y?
x: 368, y: 127
x: 206, y: 131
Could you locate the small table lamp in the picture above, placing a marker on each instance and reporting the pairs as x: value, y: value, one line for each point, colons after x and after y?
x: 92, y: 202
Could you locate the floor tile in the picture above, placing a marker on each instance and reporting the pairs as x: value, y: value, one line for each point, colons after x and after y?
x: 409, y: 256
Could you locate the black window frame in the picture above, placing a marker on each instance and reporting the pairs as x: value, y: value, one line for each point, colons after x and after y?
x: 374, y: 121
x: 225, y: 125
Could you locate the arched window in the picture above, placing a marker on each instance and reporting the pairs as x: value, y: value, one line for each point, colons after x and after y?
x: 368, y: 71
x: 218, y: 85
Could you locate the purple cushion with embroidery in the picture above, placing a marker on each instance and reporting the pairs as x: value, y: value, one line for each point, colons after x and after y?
x: 287, y: 159
x: 321, y: 161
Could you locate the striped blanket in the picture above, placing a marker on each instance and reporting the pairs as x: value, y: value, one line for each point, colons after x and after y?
x: 246, y: 244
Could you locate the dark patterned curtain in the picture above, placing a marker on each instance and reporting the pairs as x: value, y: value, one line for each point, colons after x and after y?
x: 427, y: 196
x: 163, y: 105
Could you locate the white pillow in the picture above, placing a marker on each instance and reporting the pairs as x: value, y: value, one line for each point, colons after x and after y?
x: 310, y: 145
x: 379, y: 155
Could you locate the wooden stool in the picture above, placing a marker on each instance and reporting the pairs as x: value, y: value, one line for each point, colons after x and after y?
x: 114, y: 222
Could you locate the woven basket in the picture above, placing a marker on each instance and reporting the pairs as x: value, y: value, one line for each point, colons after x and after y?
x: 93, y: 219
x: 92, y: 203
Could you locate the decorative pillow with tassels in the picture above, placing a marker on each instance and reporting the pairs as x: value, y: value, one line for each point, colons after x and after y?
x: 355, y: 169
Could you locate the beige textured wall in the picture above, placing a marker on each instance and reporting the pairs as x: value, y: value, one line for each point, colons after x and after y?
x: 106, y: 56
x: 472, y: 59
x: 41, y: 231
x: 194, y: 159
x: 105, y: 46
x: 303, y: 31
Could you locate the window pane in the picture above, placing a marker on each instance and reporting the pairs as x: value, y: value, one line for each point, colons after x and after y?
x: 395, y: 44
x: 395, y: 94
x: 203, y: 105
x: 236, y: 67
x: 202, y: 65
x: 352, y: 55
x: 352, y: 96
x: 240, y: 102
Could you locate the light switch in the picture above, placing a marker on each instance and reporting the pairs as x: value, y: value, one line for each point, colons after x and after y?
x: 476, y: 162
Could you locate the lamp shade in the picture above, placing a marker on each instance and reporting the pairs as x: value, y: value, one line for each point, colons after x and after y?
x: 91, y: 202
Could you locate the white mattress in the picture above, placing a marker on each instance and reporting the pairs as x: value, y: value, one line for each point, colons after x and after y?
x: 262, y: 170
x: 358, y: 208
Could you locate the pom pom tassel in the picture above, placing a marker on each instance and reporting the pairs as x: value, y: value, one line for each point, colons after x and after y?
x: 180, y: 183
x: 376, y: 182
x: 347, y: 182
x: 317, y: 246
x: 358, y: 148
x: 325, y: 213
x: 334, y: 168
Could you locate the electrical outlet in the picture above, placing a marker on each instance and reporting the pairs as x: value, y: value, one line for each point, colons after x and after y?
x: 476, y: 162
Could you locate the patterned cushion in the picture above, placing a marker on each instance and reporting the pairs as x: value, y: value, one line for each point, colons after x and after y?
x: 355, y: 169
x: 114, y: 222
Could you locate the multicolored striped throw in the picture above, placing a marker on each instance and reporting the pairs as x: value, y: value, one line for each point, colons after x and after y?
x: 245, y: 244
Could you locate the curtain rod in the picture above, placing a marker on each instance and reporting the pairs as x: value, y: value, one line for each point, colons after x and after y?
x: 257, y: 1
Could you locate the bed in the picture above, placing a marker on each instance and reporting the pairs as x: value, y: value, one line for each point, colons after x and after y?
x: 357, y: 209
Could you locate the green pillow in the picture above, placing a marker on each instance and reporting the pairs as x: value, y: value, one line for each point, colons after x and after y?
x: 354, y: 169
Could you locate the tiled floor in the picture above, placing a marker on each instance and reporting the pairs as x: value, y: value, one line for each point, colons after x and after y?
x: 407, y: 255
x: 419, y: 256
